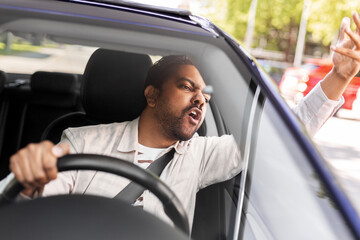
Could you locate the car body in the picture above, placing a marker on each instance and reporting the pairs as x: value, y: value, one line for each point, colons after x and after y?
x: 286, y: 190
x: 297, y: 82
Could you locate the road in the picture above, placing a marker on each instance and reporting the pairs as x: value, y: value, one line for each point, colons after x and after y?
x: 339, y: 141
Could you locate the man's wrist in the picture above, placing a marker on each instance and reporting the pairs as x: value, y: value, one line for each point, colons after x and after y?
x: 333, y: 85
x: 335, y: 74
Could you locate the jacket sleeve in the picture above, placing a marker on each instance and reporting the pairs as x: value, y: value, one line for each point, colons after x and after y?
x: 221, y: 160
x: 315, y: 109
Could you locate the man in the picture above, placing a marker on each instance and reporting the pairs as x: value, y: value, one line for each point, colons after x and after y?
x: 176, y: 107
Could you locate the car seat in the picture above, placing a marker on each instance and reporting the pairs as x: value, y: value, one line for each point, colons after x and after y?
x: 111, y: 91
x: 53, y: 94
x: 29, y: 105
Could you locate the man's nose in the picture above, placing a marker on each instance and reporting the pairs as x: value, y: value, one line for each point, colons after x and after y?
x: 198, y: 99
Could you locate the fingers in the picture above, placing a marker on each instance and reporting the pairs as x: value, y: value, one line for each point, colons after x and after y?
x: 347, y: 52
x: 39, y: 177
x: 345, y: 23
x: 35, y: 165
x: 18, y: 170
x: 342, y: 40
x: 357, y: 22
x: 55, y: 152
x: 353, y: 36
x: 58, y: 151
x: 61, y: 149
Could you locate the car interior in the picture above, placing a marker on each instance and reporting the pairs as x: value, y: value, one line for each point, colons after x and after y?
x: 40, y: 106
x: 51, y: 102
x: 41, y: 102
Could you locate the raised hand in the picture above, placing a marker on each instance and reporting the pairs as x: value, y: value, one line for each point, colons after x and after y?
x: 346, y: 57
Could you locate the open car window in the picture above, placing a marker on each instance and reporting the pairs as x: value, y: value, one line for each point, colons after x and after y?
x: 283, y: 189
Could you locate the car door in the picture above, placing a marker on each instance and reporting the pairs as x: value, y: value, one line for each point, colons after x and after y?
x: 284, y: 195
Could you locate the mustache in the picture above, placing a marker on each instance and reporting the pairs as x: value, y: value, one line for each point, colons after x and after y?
x: 189, y: 108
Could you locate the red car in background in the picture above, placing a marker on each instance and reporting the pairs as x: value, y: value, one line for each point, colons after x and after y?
x: 297, y: 82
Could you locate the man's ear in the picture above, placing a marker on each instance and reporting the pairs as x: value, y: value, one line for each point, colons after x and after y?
x: 151, y: 95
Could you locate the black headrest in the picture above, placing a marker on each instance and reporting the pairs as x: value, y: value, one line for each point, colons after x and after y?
x: 53, y: 82
x: 113, y: 84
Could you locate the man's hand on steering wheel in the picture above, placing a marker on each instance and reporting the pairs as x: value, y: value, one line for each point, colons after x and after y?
x: 172, y: 205
x: 35, y: 165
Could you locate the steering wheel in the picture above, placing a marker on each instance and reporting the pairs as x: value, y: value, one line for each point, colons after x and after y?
x: 172, y: 205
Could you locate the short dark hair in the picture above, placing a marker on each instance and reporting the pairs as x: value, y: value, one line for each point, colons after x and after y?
x: 164, y: 68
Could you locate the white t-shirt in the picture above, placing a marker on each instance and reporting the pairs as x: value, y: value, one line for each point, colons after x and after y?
x: 146, y: 156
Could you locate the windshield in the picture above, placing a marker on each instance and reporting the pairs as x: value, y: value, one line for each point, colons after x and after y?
x: 209, y: 180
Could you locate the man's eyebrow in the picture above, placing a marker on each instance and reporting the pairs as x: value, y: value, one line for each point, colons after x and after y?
x: 204, y: 90
x: 188, y: 80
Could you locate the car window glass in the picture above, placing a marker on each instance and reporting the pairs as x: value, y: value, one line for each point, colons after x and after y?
x: 284, y: 198
x: 230, y: 106
x: 36, y: 52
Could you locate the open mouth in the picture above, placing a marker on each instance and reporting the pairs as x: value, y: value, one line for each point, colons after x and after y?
x: 195, y: 115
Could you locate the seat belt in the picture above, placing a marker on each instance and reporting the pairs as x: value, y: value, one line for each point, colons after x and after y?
x: 133, y: 191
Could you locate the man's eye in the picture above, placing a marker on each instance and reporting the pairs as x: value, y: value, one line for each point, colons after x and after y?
x: 186, y: 87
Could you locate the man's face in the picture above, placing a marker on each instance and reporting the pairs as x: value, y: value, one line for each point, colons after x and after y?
x: 181, y: 105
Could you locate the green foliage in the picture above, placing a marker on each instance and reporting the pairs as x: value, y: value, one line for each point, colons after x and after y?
x: 237, y: 17
x: 277, y: 21
x: 326, y: 15
x: 270, y: 15
x: 229, y: 15
x: 277, y: 14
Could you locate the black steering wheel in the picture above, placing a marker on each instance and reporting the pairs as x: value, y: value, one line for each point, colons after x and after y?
x: 172, y: 205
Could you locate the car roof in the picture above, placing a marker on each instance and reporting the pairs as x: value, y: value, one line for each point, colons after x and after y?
x: 139, y: 14
x: 140, y: 6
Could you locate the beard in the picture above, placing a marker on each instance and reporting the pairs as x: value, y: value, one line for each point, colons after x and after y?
x: 172, y: 125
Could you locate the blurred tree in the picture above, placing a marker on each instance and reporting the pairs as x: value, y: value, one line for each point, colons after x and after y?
x: 217, y: 11
x: 325, y: 18
x: 277, y: 21
x: 237, y: 17
x: 230, y: 15
x: 275, y: 26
